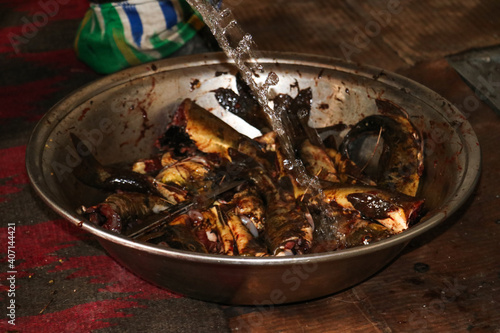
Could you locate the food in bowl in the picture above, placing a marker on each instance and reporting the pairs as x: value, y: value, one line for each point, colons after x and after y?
x: 211, y: 189
x: 121, y: 116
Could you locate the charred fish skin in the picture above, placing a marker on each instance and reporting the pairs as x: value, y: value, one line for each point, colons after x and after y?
x: 196, y: 230
x: 246, y: 243
x: 179, y: 237
x: 226, y: 235
x: 119, y: 208
x: 295, y: 113
x: 299, y: 114
x: 255, y: 154
x: 191, y: 173
x: 365, y: 233
x: 245, y: 216
x: 317, y: 162
x: 178, y: 234
x: 243, y: 104
x: 401, y: 161
x: 94, y: 174
x: 111, y: 179
x: 207, y: 131
x: 270, y: 213
x: 322, y: 155
x: 352, y: 229
x: 348, y: 171
x: 287, y: 231
x: 205, y: 228
x: 175, y: 140
x: 396, y: 211
x: 211, y: 135
x: 249, y: 204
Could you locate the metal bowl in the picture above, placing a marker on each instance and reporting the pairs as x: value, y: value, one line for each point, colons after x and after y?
x: 121, y: 116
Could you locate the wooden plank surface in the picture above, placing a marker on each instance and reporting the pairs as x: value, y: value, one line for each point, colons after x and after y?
x: 391, y: 34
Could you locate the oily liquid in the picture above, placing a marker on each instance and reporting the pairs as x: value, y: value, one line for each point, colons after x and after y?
x: 237, y: 45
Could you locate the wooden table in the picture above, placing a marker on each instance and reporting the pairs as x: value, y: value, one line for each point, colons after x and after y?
x: 447, y: 280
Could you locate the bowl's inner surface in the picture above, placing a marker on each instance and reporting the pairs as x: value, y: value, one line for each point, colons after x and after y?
x: 121, y: 123
x: 122, y: 115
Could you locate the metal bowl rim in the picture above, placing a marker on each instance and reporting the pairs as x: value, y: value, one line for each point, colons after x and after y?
x: 469, y: 178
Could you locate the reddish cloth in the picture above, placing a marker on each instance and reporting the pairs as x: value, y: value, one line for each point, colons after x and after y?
x: 63, y: 279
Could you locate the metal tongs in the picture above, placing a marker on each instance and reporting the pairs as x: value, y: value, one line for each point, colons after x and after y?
x: 198, y: 202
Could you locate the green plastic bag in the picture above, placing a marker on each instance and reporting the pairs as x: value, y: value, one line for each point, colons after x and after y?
x: 116, y: 35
